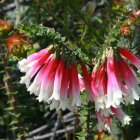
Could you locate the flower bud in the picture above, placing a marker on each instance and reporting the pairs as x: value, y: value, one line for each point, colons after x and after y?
x: 125, y: 30
x: 4, y: 26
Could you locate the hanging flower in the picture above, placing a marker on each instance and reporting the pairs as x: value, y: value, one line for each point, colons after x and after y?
x: 4, y: 26
x: 131, y: 87
x: 32, y: 64
x: 115, y: 81
x: 87, y: 82
x: 122, y: 117
x: 74, y: 86
x: 17, y: 44
x: 99, y: 87
x: 114, y: 92
x: 104, y: 123
x: 56, y: 81
x: 131, y: 57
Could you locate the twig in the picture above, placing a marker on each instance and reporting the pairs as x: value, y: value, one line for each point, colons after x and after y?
x: 33, y: 132
x: 55, y: 127
x: 17, y: 3
x: 63, y: 123
x: 12, y: 6
x: 69, y: 129
x: 70, y: 114
x: 46, y: 114
x: 70, y: 119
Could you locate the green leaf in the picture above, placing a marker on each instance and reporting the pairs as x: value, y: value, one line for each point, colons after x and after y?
x: 19, y: 135
x: 10, y: 101
x: 13, y: 122
x: 14, y: 128
x: 83, y: 112
x: 80, y: 138
x: 82, y: 134
x: 9, y: 108
x: 15, y: 115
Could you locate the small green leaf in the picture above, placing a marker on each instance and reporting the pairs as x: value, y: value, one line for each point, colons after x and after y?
x: 82, y: 134
x: 10, y: 101
x: 81, y: 138
x: 13, y: 122
x: 14, y: 128
x: 83, y: 112
x: 9, y: 108
x: 19, y: 135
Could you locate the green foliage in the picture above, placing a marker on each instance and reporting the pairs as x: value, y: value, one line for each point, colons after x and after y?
x: 34, y: 31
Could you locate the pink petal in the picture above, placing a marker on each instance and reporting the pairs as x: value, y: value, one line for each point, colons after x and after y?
x: 114, y: 93
x: 64, y: 83
x: 135, y: 60
x: 74, y: 91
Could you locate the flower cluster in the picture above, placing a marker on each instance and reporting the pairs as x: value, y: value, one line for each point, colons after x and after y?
x: 114, y: 82
x: 56, y: 79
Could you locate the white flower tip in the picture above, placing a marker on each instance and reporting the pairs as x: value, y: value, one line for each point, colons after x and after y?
x: 63, y: 104
x: 33, y: 89
x: 22, y: 62
x: 25, y: 80
x: 54, y: 97
x: 54, y: 105
x: 108, y: 105
x: 39, y: 99
x: 76, y: 101
x: 108, y: 128
x: 126, y: 120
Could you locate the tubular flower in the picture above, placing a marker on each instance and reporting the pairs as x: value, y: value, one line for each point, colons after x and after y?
x: 87, y: 82
x: 104, y: 123
x: 74, y: 86
x: 122, y: 117
x: 132, y: 89
x: 99, y: 88
x: 17, y: 44
x: 114, y: 93
x: 131, y: 57
x: 4, y: 26
x: 54, y: 80
x: 106, y: 84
